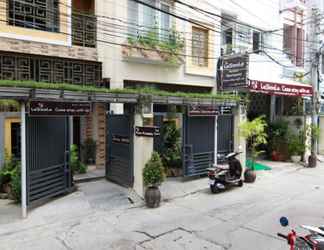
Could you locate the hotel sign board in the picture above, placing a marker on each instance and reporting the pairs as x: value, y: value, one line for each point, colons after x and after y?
x: 272, y: 88
x: 235, y: 72
x: 48, y: 108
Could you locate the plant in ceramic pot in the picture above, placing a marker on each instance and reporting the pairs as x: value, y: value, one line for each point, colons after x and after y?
x: 255, y: 133
x: 153, y: 176
x: 296, y: 147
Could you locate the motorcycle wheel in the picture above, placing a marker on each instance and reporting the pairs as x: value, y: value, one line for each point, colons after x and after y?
x: 214, y: 189
x: 240, y: 183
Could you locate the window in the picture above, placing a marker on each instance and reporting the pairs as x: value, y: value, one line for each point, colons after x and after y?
x: 256, y: 41
x: 165, y: 22
x: 293, y: 43
x: 322, y: 68
x: 144, y: 18
x: 35, y: 14
x: 199, y: 47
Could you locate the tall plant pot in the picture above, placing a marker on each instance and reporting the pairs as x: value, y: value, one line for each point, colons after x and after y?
x: 312, y: 160
x: 152, y: 197
x: 249, y: 175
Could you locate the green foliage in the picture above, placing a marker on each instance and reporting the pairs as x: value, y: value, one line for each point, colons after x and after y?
x: 75, y: 164
x: 255, y: 132
x: 138, y: 91
x: 89, y: 151
x: 171, y: 149
x: 9, y: 104
x: 278, y: 133
x: 10, y: 173
x: 153, y: 172
x: 16, y: 183
x: 172, y: 46
x: 7, y: 170
x: 313, y: 132
x: 296, y: 144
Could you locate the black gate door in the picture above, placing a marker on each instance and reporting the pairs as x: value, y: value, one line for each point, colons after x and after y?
x: 198, y: 144
x: 119, y: 166
x: 47, y: 144
x: 225, y: 136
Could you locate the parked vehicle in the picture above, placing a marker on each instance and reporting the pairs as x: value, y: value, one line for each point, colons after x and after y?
x: 223, y: 177
x: 312, y: 241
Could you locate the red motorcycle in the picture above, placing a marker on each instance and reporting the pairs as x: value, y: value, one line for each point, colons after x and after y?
x: 312, y: 241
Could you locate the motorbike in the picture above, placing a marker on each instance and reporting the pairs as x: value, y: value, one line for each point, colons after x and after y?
x: 223, y: 177
x: 314, y: 240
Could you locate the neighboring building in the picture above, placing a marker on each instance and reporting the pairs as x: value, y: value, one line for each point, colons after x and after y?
x: 50, y: 42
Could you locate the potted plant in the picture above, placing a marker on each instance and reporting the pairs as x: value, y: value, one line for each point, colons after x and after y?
x: 255, y: 133
x: 278, y: 131
x: 295, y: 147
x: 153, y: 176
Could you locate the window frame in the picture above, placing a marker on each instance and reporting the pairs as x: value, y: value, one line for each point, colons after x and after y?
x: 196, y: 60
x: 51, y: 24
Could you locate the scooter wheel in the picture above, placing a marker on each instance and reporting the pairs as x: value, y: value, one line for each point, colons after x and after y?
x: 240, y: 183
x: 214, y: 189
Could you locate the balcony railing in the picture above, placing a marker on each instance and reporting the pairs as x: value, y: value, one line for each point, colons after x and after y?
x: 25, y: 67
x: 84, y: 30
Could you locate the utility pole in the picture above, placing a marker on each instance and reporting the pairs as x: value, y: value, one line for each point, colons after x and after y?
x: 314, y: 58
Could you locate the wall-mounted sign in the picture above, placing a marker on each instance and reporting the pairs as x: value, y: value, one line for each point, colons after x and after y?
x: 46, y: 108
x: 203, y: 110
x: 120, y: 139
x: 208, y: 110
x: 273, y: 88
x: 235, y: 72
x: 148, y: 131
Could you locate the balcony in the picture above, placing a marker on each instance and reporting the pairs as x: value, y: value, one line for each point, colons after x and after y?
x: 84, y: 30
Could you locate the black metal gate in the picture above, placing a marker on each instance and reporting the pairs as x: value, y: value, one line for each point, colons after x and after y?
x: 198, y: 144
x: 119, y: 166
x: 47, y: 147
x: 225, y: 136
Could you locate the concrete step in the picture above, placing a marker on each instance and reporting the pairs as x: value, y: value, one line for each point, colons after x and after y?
x: 82, y: 179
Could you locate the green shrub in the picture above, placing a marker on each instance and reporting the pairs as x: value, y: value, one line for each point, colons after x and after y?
x: 171, y: 149
x: 75, y: 164
x: 153, y: 172
x: 296, y: 145
x: 89, y: 151
x: 7, y: 170
x: 16, y: 183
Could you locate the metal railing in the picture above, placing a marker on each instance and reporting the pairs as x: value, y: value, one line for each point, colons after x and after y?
x: 84, y: 30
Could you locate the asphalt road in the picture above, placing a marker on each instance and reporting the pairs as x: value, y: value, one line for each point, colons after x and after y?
x: 239, y: 219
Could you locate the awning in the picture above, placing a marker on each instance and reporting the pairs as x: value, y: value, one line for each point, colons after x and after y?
x: 282, y: 87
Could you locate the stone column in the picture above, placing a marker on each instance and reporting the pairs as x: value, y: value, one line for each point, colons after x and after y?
x: 143, y: 149
x: 308, y: 139
x: 239, y: 141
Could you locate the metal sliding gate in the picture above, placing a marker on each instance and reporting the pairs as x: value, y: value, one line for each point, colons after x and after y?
x: 47, y: 146
x: 119, y: 165
x: 198, y: 144
x: 225, y: 136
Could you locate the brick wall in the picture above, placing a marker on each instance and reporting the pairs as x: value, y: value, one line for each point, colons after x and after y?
x: 28, y: 47
x: 95, y: 126
x: 101, y: 134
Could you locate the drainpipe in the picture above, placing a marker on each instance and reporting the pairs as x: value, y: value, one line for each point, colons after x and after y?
x: 23, y: 162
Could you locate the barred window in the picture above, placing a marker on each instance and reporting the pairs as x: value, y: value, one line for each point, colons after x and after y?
x: 199, y: 47
x: 34, y: 14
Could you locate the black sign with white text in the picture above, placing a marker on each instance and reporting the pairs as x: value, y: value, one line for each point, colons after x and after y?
x: 147, y: 131
x: 208, y: 110
x: 235, y: 72
x: 46, y: 108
